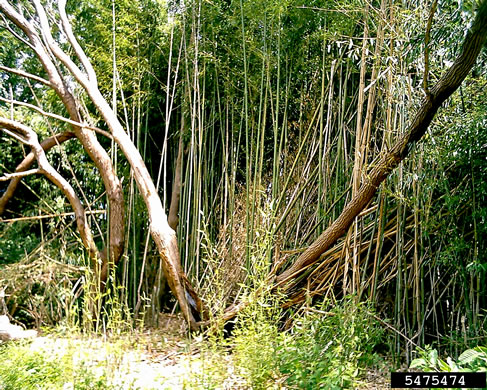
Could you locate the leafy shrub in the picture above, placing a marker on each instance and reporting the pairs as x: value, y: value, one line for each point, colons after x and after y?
x: 472, y: 360
x: 330, y: 349
x: 10, y: 250
x: 256, y: 343
x: 322, y: 350
x: 22, y: 368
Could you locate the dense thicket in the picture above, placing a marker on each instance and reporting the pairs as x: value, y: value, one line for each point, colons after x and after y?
x: 259, y: 120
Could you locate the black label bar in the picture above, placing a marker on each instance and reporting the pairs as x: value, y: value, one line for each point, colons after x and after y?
x: 437, y: 380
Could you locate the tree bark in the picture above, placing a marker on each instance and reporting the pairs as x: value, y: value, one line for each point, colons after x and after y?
x: 389, y: 160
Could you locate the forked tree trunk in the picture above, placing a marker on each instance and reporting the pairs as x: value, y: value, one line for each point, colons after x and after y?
x: 389, y: 160
x: 87, y: 137
x: 48, y: 51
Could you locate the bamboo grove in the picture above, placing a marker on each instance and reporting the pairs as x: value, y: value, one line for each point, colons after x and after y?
x: 259, y: 121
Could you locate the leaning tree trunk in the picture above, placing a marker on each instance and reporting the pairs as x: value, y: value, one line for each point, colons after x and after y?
x: 387, y: 161
x: 162, y: 234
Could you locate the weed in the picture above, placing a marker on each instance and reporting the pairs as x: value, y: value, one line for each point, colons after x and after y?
x: 256, y: 342
x: 23, y: 368
x: 471, y: 360
x: 330, y: 349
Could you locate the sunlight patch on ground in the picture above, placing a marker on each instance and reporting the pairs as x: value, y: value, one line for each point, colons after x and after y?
x: 129, y: 365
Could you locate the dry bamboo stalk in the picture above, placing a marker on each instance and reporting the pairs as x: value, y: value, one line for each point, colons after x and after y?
x: 351, y: 255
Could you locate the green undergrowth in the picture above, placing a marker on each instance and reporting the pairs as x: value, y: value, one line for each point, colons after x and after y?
x: 331, y: 349
x: 471, y: 360
x: 68, y: 361
x: 328, y: 347
x: 24, y: 368
x: 323, y: 349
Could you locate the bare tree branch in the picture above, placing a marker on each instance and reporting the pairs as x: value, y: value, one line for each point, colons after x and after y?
x: 54, y: 47
x: 58, y: 117
x: 17, y: 36
x: 31, y: 76
x: 74, y: 43
x: 45, y: 216
x: 19, y: 175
